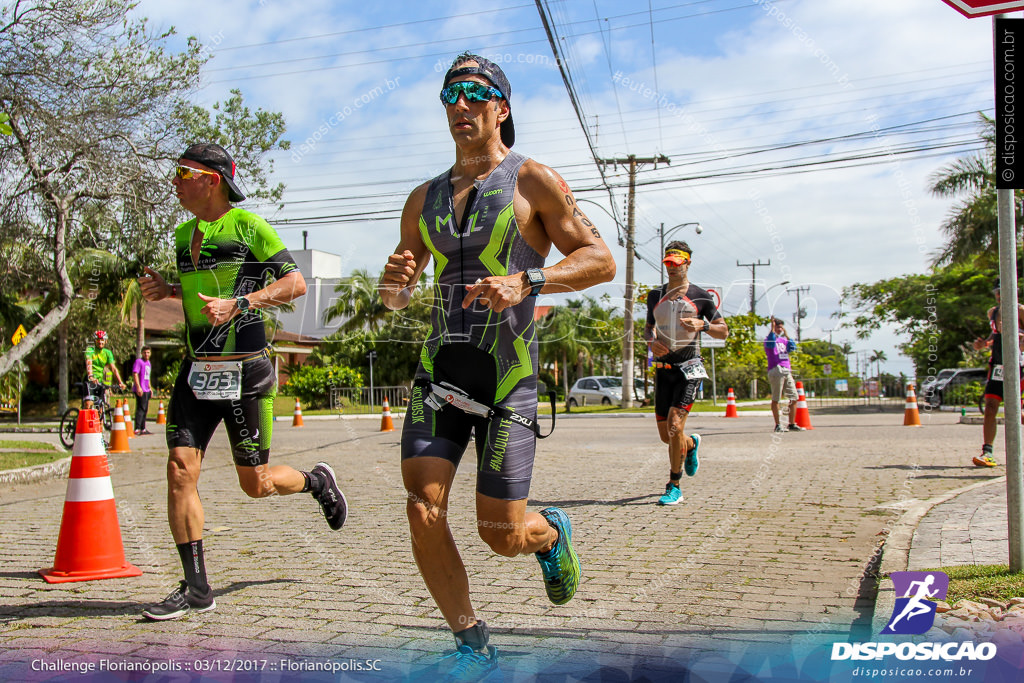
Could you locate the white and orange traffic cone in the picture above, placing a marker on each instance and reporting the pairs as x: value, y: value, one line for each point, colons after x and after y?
x: 89, y: 546
x: 730, y: 404
x: 297, y: 417
x: 119, y: 433
x: 386, y: 425
x: 129, y: 420
x: 911, y: 418
x: 161, y: 417
x: 803, y: 415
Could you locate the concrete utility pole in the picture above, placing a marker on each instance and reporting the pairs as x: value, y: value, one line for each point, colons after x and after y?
x: 799, y: 311
x: 753, y: 280
x: 632, y: 161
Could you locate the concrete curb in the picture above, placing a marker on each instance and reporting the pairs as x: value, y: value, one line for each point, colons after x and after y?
x: 979, y: 419
x: 51, y: 470
x: 896, y: 551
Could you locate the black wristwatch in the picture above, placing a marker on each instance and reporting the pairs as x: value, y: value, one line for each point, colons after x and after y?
x: 535, y: 278
x: 707, y: 326
x: 242, y: 303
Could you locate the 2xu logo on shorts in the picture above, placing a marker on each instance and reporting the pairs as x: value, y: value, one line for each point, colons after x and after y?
x: 914, y: 614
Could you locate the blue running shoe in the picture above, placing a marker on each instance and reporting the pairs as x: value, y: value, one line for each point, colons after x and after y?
x: 672, y: 495
x: 473, y: 665
x: 560, y: 566
x: 691, y: 463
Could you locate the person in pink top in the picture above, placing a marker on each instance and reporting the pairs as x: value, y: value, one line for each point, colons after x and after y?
x: 777, y: 346
x: 141, y: 372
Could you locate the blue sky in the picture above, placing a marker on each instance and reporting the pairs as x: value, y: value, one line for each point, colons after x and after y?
x: 785, y: 122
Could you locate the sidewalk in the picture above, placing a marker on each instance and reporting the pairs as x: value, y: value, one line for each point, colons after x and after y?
x: 967, y: 529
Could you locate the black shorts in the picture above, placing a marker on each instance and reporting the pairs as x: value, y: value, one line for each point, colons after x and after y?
x: 994, y: 387
x: 248, y: 420
x: 673, y: 390
x: 504, y: 450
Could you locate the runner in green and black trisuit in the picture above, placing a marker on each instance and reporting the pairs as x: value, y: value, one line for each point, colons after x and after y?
x: 677, y: 313
x: 232, y: 264
x: 488, y: 222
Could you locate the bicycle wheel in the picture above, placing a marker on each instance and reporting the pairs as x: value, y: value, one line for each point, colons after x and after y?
x: 108, y: 418
x: 68, y: 425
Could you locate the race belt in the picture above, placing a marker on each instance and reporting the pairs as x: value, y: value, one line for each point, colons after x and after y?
x: 442, y: 394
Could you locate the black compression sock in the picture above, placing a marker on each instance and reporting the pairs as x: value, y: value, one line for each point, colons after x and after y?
x: 674, y: 477
x: 194, y: 564
x: 313, y: 483
x: 986, y: 448
x: 476, y: 636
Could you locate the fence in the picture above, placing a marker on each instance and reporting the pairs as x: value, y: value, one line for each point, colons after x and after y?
x: 364, y: 401
x: 825, y: 392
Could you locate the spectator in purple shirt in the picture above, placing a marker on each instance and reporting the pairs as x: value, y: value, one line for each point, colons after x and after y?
x: 777, y: 346
x: 141, y: 372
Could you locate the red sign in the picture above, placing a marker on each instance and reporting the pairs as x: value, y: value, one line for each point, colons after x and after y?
x: 981, y: 8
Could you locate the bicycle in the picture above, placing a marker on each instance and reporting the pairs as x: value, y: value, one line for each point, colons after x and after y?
x: 69, y: 420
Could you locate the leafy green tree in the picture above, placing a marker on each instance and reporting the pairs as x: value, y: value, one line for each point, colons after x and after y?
x: 743, y: 358
x: 312, y: 384
x: 941, y: 312
x: 90, y: 93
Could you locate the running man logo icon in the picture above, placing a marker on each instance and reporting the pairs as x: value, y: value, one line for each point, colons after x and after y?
x: 916, y: 592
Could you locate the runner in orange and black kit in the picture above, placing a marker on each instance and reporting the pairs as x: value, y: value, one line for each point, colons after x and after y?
x: 677, y: 312
x: 994, y: 379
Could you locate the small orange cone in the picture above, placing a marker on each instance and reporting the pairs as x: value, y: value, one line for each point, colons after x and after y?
x: 297, y: 418
x: 386, y: 425
x: 730, y: 404
x: 119, y: 433
x: 911, y: 418
x: 803, y: 415
x: 129, y: 421
x: 161, y: 417
x: 89, y: 546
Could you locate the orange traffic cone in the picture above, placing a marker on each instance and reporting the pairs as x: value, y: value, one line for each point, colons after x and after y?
x: 803, y: 415
x: 386, y: 425
x: 297, y: 418
x: 911, y: 418
x: 730, y: 404
x: 89, y: 546
x: 129, y: 421
x: 161, y: 417
x: 119, y: 433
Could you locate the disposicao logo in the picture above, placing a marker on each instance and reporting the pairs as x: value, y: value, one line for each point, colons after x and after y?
x: 914, y: 614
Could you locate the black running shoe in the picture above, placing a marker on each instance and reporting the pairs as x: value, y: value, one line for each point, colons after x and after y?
x: 181, y: 601
x: 331, y: 499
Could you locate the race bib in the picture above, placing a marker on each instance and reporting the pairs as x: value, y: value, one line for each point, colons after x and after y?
x: 216, y: 381
x: 693, y: 369
x: 997, y: 373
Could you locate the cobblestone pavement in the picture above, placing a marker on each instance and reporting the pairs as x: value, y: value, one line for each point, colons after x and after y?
x: 968, y: 529
x: 770, y: 544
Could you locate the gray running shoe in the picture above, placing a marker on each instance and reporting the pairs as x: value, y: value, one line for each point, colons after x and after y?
x: 180, y: 602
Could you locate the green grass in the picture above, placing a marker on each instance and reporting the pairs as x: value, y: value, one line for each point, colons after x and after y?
x: 975, y: 581
x: 26, y: 445
x: 35, y: 453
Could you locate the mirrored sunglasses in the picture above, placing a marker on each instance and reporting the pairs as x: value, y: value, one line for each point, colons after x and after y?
x: 474, y: 92
x: 189, y: 173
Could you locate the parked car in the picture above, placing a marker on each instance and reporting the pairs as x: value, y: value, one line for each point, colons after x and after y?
x: 599, y: 389
x: 935, y: 392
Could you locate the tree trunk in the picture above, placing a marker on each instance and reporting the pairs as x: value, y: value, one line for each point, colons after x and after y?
x: 140, y: 334
x: 65, y: 295
x: 565, y: 375
x: 62, y: 367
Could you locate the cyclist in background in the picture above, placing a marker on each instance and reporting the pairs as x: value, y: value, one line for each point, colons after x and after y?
x: 100, y: 369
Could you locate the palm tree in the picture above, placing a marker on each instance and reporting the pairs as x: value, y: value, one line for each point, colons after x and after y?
x: 971, y: 228
x: 359, y: 303
x: 877, y: 357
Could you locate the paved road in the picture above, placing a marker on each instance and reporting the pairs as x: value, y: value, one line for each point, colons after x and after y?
x: 771, y: 544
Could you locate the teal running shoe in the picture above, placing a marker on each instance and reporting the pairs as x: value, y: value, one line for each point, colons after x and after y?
x: 473, y: 665
x: 672, y: 495
x: 560, y: 566
x: 691, y: 463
